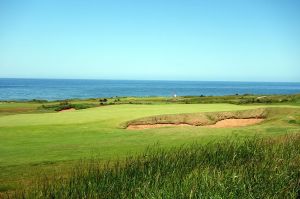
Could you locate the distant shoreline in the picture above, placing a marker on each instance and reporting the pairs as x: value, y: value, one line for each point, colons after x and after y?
x: 260, y: 98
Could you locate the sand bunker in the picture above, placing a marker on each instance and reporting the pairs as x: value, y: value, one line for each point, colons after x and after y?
x: 67, y: 110
x: 224, y: 119
x: 227, y: 123
x: 235, y: 123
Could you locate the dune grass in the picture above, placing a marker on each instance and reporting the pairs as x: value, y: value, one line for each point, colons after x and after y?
x: 252, y: 168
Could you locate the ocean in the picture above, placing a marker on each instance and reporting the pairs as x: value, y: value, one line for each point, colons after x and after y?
x: 58, y: 89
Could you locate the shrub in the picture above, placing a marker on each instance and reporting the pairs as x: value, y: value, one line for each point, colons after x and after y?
x: 66, y: 105
x: 38, y: 101
x: 103, y: 100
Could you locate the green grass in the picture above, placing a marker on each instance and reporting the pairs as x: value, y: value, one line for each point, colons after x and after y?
x: 10, y: 108
x: 66, y: 106
x: 232, y: 99
x: 253, y: 168
x: 42, y: 142
x: 112, y: 116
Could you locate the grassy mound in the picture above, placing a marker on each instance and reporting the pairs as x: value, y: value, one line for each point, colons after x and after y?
x: 199, y: 119
x: 253, y: 168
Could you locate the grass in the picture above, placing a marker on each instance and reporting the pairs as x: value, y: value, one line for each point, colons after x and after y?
x: 11, y: 108
x: 43, y: 141
x: 16, y: 107
x: 200, y: 119
x: 252, y: 168
x: 231, y: 99
x: 112, y: 116
x: 66, y: 106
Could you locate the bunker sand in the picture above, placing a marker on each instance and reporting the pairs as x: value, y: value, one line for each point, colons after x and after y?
x: 67, y: 110
x: 227, y: 123
x: 209, y: 119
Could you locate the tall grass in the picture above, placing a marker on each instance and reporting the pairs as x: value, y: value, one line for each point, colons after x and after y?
x: 200, y: 119
x: 253, y: 168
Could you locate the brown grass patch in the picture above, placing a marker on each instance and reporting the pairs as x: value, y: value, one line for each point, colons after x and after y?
x: 211, y: 120
x: 227, y: 123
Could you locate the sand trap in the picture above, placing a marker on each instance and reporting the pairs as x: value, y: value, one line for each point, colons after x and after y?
x: 227, y: 123
x: 67, y: 110
x: 235, y: 123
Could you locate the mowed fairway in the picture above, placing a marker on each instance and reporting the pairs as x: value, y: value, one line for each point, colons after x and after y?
x: 32, y: 141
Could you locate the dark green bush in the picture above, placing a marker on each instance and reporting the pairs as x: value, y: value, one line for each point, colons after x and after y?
x: 103, y: 100
x: 66, y: 105
x: 38, y: 101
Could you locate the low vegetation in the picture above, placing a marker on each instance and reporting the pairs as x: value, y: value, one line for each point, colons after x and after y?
x: 201, y: 99
x: 244, y: 99
x: 65, y: 105
x: 40, y: 106
x: 251, y: 168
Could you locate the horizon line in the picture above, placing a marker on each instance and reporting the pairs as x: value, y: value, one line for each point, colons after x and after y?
x: 167, y: 80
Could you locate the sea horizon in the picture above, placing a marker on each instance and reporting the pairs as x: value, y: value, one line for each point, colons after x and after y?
x: 24, y: 89
x: 166, y: 80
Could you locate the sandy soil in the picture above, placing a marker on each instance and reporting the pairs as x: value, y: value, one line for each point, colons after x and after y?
x: 235, y: 123
x: 67, y: 110
x: 227, y: 123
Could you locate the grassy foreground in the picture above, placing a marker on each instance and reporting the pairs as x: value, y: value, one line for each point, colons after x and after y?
x: 35, y: 140
x: 253, y: 168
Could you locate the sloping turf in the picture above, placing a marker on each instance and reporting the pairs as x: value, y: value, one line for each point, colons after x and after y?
x: 30, y: 141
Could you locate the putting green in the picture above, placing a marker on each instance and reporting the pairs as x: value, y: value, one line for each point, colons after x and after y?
x: 111, y: 116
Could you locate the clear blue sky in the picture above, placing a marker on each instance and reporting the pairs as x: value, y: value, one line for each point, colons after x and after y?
x: 237, y: 40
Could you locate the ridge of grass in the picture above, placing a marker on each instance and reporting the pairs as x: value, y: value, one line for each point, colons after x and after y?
x: 199, y: 119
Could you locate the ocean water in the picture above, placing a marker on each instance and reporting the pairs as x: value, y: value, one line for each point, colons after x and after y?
x: 56, y: 89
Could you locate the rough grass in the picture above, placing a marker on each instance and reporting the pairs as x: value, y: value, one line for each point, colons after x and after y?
x: 199, y: 119
x: 253, y: 168
x: 65, y: 106
x: 11, y: 108
x: 232, y: 99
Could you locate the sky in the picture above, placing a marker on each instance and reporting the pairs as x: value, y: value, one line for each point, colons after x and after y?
x: 203, y: 40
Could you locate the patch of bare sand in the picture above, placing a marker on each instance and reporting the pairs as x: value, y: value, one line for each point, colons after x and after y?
x: 67, y: 110
x: 227, y: 123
